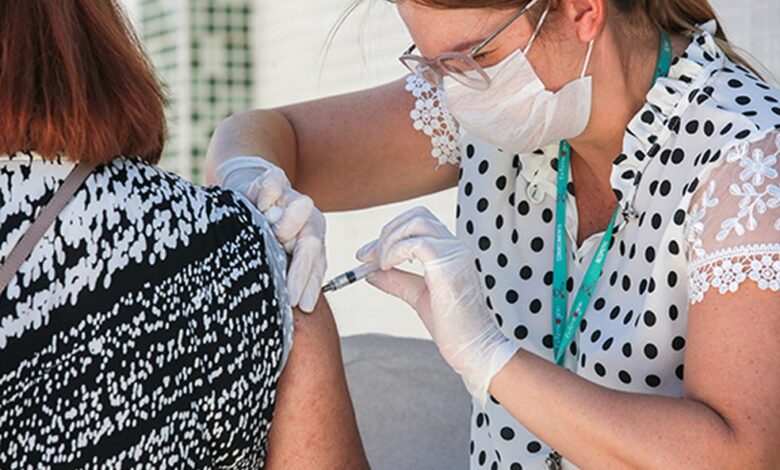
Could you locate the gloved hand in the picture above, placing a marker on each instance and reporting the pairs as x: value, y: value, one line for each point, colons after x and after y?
x: 297, y: 224
x: 448, y: 298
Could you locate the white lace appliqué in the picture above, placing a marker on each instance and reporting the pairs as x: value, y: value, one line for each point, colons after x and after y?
x: 756, y: 256
x: 430, y: 116
x: 727, y: 269
x: 755, y: 196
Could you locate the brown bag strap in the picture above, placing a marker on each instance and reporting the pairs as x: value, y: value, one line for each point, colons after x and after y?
x: 47, y: 217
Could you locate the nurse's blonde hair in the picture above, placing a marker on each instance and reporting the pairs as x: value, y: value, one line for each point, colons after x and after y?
x: 672, y: 16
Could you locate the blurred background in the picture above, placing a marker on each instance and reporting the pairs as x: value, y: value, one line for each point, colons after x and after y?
x: 217, y: 57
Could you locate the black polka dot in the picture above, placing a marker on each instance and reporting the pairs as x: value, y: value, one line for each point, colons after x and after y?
x: 483, y: 167
x: 535, y: 306
x: 533, y: 447
x: 482, y: 205
x: 523, y: 208
x: 656, y: 221
x: 512, y: 296
x: 671, y: 279
x: 595, y: 336
x: 653, y: 381
x: 624, y: 377
x: 537, y: 244
x: 599, y: 369
x: 614, y: 313
x: 526, y: 273
x: 507, y: 433
x: 679, y: 217
x: 547, y: 341
x: 484, y: 243
x: 521, y: 332
x: 651, y: 351
x: 674, y: 312
x: 678, y: 343
x: 677, y: 156
x: 650, y: 318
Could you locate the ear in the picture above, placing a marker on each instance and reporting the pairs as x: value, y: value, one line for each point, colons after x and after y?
x: 587, y: 16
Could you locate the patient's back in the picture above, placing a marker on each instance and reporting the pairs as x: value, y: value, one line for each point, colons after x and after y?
x: 149, y: 325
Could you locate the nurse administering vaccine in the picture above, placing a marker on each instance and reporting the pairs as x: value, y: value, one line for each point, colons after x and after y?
x: 611, y: 295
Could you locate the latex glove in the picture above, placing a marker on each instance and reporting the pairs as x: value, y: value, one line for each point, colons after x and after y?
x: 297, y: 224
x: 448, y: 298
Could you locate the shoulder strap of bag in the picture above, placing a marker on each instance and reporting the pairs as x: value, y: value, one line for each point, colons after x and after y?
x: 47, y: 217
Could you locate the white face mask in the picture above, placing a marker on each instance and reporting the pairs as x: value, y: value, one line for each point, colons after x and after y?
x: 517, y: 113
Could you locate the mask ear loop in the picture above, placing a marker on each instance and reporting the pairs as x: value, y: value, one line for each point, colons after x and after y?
x: 538, y: 28
x: 587, y: 58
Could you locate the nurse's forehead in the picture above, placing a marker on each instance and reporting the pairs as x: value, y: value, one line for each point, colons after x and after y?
x: 436, y: 30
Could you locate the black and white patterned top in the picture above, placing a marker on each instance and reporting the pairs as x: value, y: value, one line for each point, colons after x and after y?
x: 699, y: 179
x: 147, y: 329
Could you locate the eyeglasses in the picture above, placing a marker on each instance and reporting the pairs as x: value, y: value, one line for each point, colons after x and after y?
x: 461, y: 66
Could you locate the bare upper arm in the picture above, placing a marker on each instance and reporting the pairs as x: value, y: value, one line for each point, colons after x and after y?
x: 731, y: 364
x: 360, y: 149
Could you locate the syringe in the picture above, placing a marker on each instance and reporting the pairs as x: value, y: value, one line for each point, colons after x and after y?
x: 351, y: 277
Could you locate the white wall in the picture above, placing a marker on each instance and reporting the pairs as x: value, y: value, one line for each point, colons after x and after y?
x: 753, y: 26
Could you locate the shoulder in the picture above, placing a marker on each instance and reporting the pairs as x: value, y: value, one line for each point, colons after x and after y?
x: 147, y: 215
x: 147, y: 194
x: 728, y: 102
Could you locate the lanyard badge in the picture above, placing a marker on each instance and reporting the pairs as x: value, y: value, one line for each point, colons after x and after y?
x: 564, y: 327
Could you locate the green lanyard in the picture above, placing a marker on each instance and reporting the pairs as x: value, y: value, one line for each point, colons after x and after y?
x: 565, y: 328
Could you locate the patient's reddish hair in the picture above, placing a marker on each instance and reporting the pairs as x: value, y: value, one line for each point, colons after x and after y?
x: 74, y: 81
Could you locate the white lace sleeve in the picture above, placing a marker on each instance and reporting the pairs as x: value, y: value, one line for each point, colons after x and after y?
x: 733, y: 233
x: 431, y: 116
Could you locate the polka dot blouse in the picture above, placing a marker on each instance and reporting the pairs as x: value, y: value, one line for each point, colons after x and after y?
x: 147, y: 329
x: 699, y: 187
